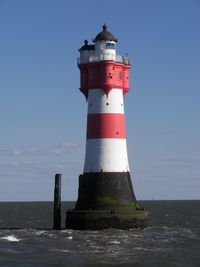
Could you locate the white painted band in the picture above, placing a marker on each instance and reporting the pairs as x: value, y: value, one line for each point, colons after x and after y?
x: 107, y: 155
x: 99, y: 102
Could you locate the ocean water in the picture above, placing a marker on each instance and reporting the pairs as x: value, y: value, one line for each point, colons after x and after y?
x: 172, y: 238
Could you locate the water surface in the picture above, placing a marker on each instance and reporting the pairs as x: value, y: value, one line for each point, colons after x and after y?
x: 172, y: 238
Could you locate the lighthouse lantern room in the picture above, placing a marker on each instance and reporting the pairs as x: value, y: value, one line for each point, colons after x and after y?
x: 105, y: 197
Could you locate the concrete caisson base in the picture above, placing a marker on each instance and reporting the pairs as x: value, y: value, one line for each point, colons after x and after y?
x: 106, y: 200
x: 102, y: 219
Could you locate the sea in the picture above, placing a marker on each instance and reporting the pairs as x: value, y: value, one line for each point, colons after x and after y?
x: 172, y: 238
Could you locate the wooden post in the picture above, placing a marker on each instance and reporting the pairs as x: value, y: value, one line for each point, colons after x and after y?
x: 57, y: 202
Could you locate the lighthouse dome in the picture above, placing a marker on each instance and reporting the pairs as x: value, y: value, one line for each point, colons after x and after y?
x: 105, y: 35
x: 86, y: 46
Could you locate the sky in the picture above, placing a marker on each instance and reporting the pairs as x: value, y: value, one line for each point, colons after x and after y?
x: 43, y: 113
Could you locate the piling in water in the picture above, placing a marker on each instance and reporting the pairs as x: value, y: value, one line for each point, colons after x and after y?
x: 57, y: 203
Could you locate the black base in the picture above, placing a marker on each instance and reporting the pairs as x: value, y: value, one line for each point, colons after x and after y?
x: 101, y: 190
x: 103, y: 219
x: 106, y: 199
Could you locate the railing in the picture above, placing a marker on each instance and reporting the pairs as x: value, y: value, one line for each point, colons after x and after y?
x: 124, y: 60
x: 117, y: 58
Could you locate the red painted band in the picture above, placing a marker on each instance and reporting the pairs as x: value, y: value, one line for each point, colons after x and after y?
x: 106, y: 125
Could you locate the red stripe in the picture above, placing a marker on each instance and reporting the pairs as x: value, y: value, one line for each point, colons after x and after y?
x: 106, y: 125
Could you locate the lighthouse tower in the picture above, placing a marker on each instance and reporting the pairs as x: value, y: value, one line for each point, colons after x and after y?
x: 106, y: 197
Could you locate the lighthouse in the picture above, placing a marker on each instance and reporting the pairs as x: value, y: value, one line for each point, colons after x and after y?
x: 105, y: 196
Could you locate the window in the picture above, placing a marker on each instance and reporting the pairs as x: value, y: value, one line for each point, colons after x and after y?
x: 108, y: 76
x: 110, y: 46
x: 91, y: 75
x: 120, y: 75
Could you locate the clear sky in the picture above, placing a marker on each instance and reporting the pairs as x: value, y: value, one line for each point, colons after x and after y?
x: 43, y: 114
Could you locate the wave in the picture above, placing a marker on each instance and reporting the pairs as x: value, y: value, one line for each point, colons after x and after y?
x: 10, y: 238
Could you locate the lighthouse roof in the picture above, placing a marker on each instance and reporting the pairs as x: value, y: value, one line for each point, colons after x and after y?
x: 86, y: 46
x: 105, y: 35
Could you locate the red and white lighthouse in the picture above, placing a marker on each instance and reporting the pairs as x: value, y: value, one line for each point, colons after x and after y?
x: 106, y: 197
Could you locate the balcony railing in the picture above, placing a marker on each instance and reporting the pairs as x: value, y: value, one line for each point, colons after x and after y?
x: 117, y: 58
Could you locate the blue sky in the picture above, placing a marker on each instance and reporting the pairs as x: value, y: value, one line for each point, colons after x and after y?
x: 43, y: 114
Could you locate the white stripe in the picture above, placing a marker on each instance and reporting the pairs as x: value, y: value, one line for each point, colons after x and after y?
x: 107, y: 155
x: 99, y: 102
